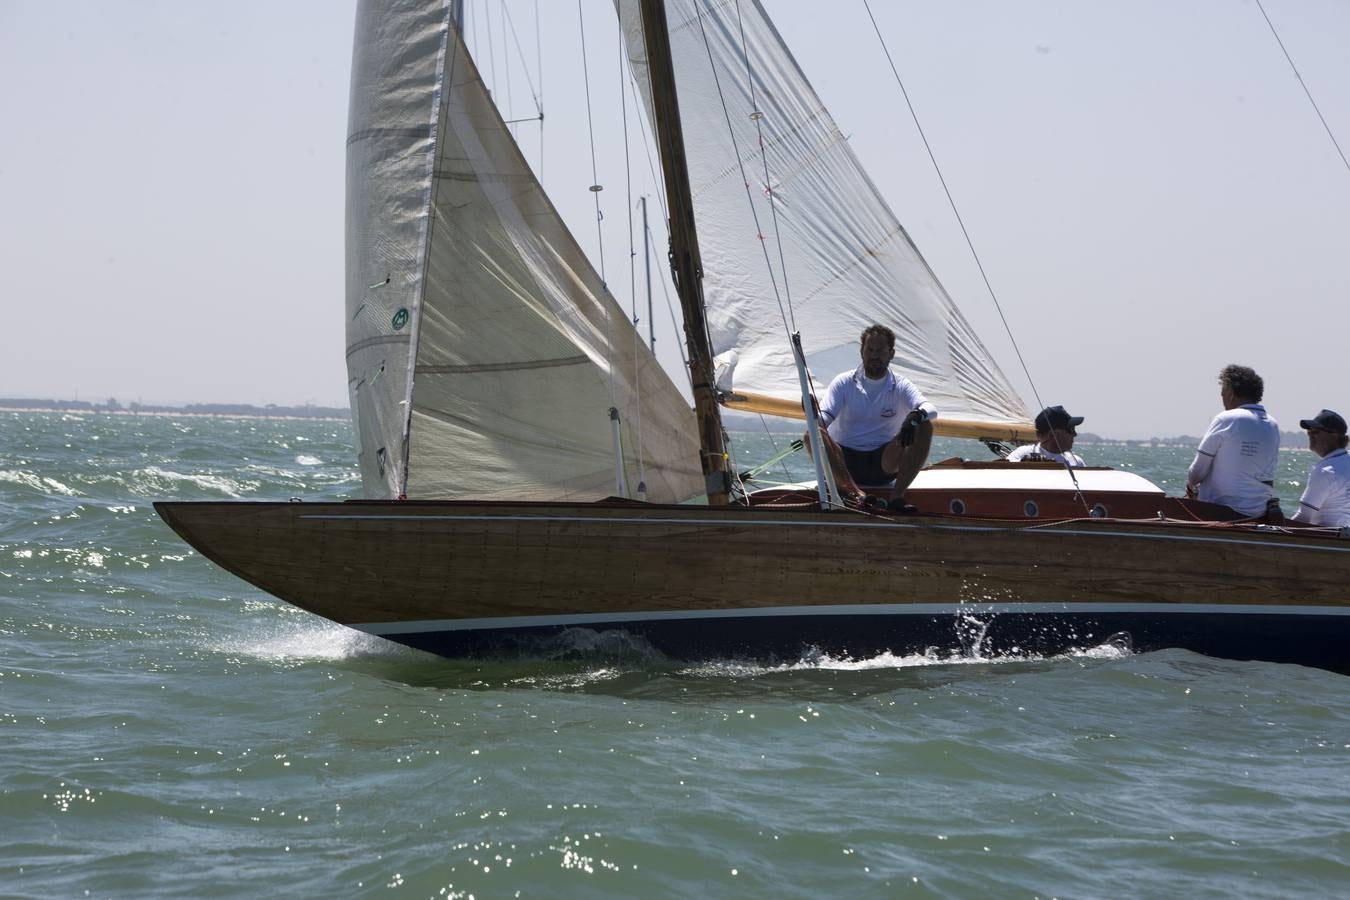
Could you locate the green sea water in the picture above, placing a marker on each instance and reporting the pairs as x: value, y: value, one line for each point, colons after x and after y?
x: 169, y: 731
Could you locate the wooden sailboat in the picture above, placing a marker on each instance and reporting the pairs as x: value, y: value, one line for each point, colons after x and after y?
x: 503, y: 411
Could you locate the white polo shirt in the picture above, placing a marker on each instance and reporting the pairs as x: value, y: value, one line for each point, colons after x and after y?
x: 1235, y: 462
x: 864, y: 413
x: 1036, y: 451
x: 1326, y: 499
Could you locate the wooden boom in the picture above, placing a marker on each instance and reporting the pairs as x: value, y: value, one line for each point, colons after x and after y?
x: 1013, y: 432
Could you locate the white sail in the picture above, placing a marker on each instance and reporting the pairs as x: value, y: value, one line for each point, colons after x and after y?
x: 518, y: 351
x: 845, y: 261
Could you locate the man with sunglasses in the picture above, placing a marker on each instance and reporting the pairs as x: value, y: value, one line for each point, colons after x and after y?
x: 1326, y: 498
x: 1055, y: 431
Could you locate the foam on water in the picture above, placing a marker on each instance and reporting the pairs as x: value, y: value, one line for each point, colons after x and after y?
x: 40, y: 483
x: 316, y: 642
x: 816, y: 660
x: 152, y: 481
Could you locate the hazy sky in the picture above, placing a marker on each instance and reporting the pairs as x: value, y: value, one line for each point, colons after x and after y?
x: 1149, y: 189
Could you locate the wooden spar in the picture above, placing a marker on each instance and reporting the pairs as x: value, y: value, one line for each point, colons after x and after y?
x: 943, y: 426
x: 685, y: 263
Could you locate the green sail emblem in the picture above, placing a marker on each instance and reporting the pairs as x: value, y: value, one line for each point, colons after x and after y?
x: 400, y: 319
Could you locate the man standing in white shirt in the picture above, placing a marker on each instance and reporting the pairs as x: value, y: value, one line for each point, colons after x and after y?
x: 1055, y: 432
x: 1326, y: 498
x: 1235, y: 462
x: 877, y: 426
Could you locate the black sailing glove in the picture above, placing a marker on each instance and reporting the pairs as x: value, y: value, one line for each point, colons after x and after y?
x: 910, y: 426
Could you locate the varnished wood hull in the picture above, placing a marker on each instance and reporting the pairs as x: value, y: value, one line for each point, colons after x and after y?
x: 463, y: 578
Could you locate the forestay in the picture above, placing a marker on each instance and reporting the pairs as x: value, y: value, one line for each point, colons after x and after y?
x: 486, y: 322
x: 845, y: 261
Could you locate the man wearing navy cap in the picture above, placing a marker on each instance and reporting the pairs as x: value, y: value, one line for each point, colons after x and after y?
x: 1326, y: 498
x: 1055, y: 431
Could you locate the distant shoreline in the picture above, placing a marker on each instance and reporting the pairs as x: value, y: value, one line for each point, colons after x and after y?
x: 197, y: 410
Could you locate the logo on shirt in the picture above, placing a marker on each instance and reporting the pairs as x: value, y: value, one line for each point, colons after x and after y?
x: 887, y: 412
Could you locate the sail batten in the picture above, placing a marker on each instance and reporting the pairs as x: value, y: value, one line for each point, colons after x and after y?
x: 845, y: 260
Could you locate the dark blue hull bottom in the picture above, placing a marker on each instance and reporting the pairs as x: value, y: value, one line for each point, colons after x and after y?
x: 1308, y: 639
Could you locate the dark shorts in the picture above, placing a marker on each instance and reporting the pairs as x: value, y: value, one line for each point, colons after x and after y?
x: 865, y: 467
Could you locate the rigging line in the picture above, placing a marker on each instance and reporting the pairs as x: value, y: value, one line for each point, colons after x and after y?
x: 1304, y: 85
x: 539, y: 67
x: 782, y: 459
x: 492, y: 50
x: 632, y: 262
x: 524, y: 67
x: 1031, y: 382
x: 590, y: 128
x: 952, y: 202
x: 764, y: 157
x: 745, y: 178
x: 674, y: 325
x: 662, y: 279
x: 506, y: 66
x: 647, y: 145
x: 595, y: 190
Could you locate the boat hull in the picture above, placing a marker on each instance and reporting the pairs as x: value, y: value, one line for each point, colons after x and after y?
x: 466, y: 578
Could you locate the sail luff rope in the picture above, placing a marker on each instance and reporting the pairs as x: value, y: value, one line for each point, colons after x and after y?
x: 773, y: 210
x: 758, y: 118
x: 745, y: 178
x: 1304, y: 85
x: 632, y: 263
x: 442, y: 96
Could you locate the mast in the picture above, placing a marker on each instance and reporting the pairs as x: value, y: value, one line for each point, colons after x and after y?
x: 685, y: 263
x: 647, y: 260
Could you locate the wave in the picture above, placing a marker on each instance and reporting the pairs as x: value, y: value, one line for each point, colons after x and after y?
x: 153, y: 481
x: 43, y: 484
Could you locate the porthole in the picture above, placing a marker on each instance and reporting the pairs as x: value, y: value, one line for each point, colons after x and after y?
x: 1099, y: 511
x: 957, y: 506
x: 1031, y: 509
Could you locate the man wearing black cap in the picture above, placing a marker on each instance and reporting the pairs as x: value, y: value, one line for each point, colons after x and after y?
x: 1235, y: 462
x: 1326, y: 498
x: 1055, y: 431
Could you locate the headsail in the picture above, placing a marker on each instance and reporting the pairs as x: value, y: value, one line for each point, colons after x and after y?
x: 846, y: 261
x: 515, y: 348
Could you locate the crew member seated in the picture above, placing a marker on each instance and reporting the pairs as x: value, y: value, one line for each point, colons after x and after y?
x: 1055, y: 431
x: 1326, y: 499
x: 877, y: 426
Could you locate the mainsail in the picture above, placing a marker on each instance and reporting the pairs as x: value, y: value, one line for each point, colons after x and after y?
x: 484, y: 353
x: 845, y: 260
